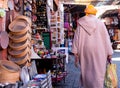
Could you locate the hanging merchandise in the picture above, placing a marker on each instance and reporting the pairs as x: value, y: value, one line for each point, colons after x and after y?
x: 24, y: 75
x: 11, y: 4
x: 28, y: 7
x: 42, y: 21
x: 61, y: 7
x: 55, y: 5
x: 33, y: 4
x: 3, y: 4
x: 2, y: 12
x: 4, y: 40
x: 16, y: 1
x: 66, y: 20
x: 50, y: 5
x: 56, y: 2
x: 17, y: 5
x: 34, y: 18
x: 69, y: 45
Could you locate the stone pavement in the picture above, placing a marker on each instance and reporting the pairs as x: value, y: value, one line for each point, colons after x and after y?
x: 72, y: 79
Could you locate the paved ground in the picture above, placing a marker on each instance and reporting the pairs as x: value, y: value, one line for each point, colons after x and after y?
x: 116, y: 60
x: 72, y: 79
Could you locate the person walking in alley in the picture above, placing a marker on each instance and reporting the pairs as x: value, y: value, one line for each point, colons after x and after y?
x: 92, y: 48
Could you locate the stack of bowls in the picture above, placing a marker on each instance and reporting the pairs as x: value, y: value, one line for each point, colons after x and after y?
x: 19, y: 49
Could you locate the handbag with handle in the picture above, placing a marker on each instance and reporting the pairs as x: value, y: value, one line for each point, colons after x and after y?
x: 111, y: 80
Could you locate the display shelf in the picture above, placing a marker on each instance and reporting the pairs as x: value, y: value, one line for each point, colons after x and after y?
x: 55, y: 65
x: 56, y: 26
x: 41, y: 14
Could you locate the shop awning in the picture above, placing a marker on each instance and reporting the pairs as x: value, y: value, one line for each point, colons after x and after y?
x: 110, y: 13
x: 94, y: 2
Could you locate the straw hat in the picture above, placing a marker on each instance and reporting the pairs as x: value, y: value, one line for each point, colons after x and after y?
x: 18, y: 53
x: 19, y: 38
x: 90, y: 9
x: 20, y: 25
x: 20, y: 45
x: 20, y: 60
x: 22, y: 17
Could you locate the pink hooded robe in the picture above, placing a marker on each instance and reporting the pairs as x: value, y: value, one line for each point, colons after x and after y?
x: 92, y: 44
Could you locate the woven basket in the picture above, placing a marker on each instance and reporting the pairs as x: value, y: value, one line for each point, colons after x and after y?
x: 9, y: 72
x: 19, y: 38
x: 20, y: 45
x: 18, y: 53
x: 24, y: 18
x: 20, y: 26
x: 20, y: 60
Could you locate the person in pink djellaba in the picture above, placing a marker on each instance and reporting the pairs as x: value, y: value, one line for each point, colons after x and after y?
x: 91, y: 48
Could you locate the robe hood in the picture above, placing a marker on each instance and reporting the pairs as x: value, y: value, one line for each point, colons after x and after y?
x: 88, y: 23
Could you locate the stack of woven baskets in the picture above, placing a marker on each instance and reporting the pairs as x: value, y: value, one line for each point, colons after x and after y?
x: 20, y: 40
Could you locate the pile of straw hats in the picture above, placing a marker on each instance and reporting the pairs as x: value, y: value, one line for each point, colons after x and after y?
x: 19, y: 49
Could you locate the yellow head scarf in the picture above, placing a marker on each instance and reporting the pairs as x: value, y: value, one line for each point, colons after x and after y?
x: 90, y: 9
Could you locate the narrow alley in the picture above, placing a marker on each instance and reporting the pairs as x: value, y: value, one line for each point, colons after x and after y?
x: 72, y: 79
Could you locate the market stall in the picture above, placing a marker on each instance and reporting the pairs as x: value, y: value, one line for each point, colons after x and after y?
x: 112, y: 21
x: 27, y: 37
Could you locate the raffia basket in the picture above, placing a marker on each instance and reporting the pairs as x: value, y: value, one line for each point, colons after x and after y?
x: 20, y: 60
x: 18, y: 53
x: 9, y: 72
x: 19, y: 38
x: 20, y: 25
x: 20, y: 45
x: 24, y: 18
